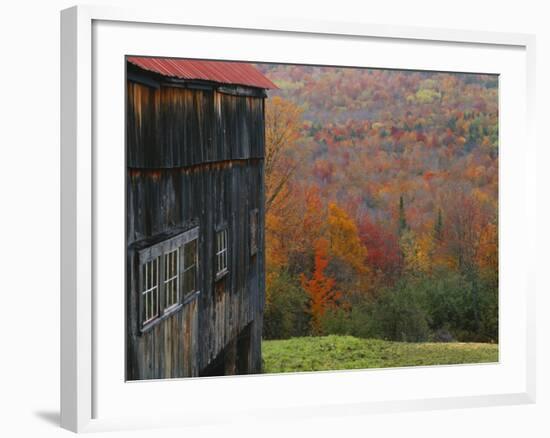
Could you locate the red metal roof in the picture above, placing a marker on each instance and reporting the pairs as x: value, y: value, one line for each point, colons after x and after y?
x: 237, y: 73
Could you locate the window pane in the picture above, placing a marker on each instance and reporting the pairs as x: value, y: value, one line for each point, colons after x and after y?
x: 186, y: 283
x: 150, y: 290
x: 171, y: 276
x: 193, y: 278
x: 221, y: 251
x: 146, y: 307
x: 146, y: 283
x: 150, y: 274
x: 190, y: 280
x: 190, y: 251
x: 156, y: 303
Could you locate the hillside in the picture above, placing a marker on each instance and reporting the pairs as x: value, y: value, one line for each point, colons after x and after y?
x: 369, y: 136
x: 381, y: 204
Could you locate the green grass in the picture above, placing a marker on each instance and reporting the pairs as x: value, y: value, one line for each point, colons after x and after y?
x: 348, y: 352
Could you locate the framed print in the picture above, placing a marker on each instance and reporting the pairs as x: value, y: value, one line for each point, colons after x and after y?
x: 320, y: 209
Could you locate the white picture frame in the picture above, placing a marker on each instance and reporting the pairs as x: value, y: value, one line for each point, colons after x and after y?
x: 87, y: 379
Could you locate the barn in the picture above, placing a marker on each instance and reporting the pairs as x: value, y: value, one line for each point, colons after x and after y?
x: 194, y: 217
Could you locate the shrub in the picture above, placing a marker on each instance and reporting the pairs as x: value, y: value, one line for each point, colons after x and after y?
x: 400, y: 314
x: 336, y: 321
x: 285, y: 313
x: 449, y: 301
x: 488, y: 301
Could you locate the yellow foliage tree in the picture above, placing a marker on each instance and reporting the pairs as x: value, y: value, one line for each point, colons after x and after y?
x: 282, y: 131
x: 344, y: 239
x: 487, y: 254
x: 419, y: 252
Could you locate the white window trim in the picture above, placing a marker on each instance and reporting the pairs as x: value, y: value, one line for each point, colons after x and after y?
x: 150, y: 292
x: 170, y: 280
x: 222, y: 251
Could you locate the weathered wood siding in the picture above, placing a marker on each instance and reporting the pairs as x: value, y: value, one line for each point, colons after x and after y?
x: 179, y: 127
x: 195, y: 157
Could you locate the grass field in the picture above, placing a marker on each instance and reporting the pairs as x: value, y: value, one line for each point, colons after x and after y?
x: 348, y: 352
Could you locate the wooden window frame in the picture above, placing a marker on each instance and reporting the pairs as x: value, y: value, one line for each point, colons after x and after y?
x: 219, y: 274
x: 158, y: 251
x: 188, y: 296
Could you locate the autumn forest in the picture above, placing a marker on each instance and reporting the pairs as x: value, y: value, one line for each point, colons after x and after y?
x: 381, y: 204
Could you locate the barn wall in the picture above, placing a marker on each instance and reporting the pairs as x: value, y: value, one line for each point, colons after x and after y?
x: 195, y: 157
x: 179, y: 127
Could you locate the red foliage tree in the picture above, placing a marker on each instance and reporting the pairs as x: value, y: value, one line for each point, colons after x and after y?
x: 319, y: 287
x: 384, y: 254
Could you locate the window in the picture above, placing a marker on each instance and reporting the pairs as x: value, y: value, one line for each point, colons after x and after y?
x: 190, y: 263
x: 254, y: 232
x: 221, y: 253
x: 171, y: 279
x: 168, y: 276
x: 150, y: 290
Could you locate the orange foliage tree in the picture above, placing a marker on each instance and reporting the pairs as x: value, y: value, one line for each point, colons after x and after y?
x: 293, y: 225
x: 320, y: 288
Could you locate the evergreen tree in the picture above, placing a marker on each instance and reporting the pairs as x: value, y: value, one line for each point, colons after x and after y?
x: 438, y: 227
x: 402, y: 219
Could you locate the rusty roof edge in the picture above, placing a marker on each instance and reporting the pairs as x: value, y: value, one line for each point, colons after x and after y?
x: 223, y: 72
